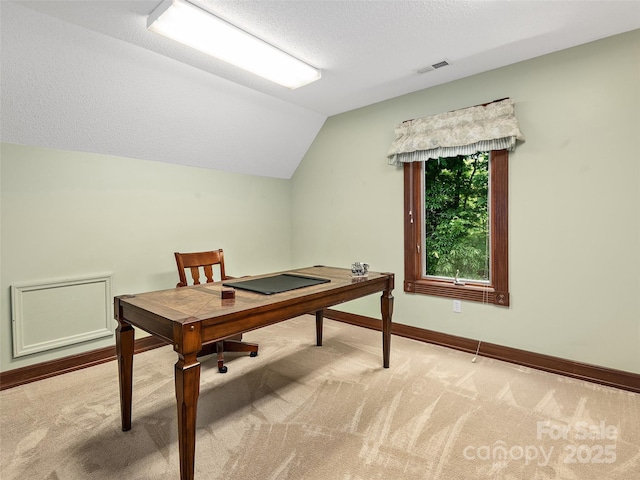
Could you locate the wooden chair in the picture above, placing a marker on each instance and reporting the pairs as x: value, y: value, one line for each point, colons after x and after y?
x: 206, y: 261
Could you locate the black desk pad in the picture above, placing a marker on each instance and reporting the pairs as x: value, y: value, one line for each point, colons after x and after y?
x: 276, y: 283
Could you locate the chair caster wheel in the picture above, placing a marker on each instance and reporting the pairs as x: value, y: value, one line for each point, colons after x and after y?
x: 223, y: 369
x: 253, y: 354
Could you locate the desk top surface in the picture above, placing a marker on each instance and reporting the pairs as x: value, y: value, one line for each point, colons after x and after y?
x: 201, y: 302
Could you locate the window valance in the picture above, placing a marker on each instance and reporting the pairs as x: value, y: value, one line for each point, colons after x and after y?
x: 461, y: 132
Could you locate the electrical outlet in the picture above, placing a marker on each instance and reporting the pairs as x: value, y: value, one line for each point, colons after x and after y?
x: 457, y: 306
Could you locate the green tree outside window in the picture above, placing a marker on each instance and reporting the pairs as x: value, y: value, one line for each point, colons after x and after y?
x: 457, y: 217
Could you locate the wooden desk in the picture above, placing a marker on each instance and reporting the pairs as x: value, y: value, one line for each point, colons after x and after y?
x: 189, y: 317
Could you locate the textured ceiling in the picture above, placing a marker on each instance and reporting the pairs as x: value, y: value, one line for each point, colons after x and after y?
x: 87, y: 75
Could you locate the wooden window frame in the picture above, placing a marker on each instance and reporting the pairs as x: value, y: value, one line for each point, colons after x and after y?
x: 497, y: 290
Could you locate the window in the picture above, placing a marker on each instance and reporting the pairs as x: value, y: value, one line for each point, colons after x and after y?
x: 456, y: 218
x: 464, y: 257
x: 435, y: 247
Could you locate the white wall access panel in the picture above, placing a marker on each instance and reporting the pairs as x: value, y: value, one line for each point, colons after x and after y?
x: 53, y: 314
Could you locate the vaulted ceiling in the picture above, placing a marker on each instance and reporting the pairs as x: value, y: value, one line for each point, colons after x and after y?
x: 89, y: 76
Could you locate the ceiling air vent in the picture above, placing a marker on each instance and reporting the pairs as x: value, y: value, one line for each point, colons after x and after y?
x: 441, y: 64
x: 430, y: 68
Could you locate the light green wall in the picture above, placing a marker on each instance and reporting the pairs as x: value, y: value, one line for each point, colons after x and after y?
x: 574, y: 232
x: 69, y: 214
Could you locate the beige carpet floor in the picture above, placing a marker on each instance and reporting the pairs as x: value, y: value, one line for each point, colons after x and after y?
x: 298, y: 411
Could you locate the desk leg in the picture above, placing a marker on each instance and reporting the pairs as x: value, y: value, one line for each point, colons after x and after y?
x: 319, y: 317
x: 187, y: 391
x: 124, y: 351
x: 386, y: 305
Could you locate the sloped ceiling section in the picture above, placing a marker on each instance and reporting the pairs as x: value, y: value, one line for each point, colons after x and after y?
x: 86, y: 75
x: 67, y: 87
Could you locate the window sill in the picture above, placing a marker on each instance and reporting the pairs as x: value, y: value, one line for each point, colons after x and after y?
x: 471, y: 292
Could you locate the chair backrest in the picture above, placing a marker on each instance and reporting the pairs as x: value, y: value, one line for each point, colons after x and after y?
x: 194, y: 261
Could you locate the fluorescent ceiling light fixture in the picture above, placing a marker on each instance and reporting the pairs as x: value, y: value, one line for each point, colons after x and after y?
x: 189, y: 24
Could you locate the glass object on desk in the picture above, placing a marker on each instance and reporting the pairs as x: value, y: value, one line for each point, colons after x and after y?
x: 359, y: 269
